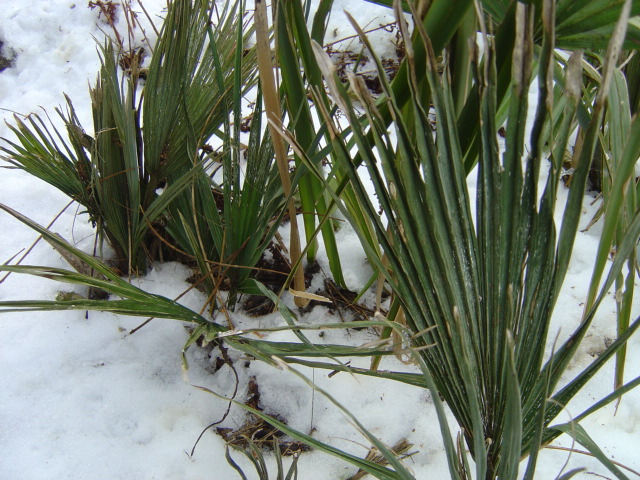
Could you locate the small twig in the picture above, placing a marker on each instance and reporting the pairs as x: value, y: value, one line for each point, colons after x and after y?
x: 109, y: 10
x: 153, y: 25
x: 227, y: 360
x: 141, y: 325
x: 350, y: 37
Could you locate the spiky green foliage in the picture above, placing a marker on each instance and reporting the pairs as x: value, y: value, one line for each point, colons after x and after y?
x: 132, y: 300
x: 198, y: 75
x: 478, y: 291
x: 232, y: 211
x: 315, y: 202
x: 584, y: 24
x: 236, y: 213
x: 194, y: 80
x: 301, y: 76
x: 116, y: 174
x: 482, y: 289
x: 610, y: 165
x: 101, y: 173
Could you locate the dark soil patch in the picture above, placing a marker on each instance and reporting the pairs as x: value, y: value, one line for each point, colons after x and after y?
x: 343, y: 303
x: 7, y: 57
x: 259, y: 431
x: 350, y: 60
x: 272, y: 271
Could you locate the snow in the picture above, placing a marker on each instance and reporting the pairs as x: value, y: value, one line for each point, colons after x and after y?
x: 82, y: 398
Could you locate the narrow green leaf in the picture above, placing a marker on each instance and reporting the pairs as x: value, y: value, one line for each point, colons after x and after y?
x: 580, y: 435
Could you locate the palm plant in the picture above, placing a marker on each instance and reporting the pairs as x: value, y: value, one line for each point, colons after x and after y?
x: 144, y: 141
x: 300, y: 77
x: 233, y: 209
x: 234, y: 217
x: 194, y: 80
x: 480, y: 291
x: 611, y: 142
x: 198, y: 76
x: 101, y: 173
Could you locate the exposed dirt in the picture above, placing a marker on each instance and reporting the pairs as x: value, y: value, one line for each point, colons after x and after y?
x: 273, y: 269
x: 348, y: 59
x: 7, y: 57
x: 258, y: 430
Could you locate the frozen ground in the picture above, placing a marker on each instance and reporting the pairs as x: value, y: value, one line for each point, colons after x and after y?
x: 80, y: 398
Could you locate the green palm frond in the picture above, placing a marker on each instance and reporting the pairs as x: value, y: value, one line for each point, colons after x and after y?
x: 472, y: 283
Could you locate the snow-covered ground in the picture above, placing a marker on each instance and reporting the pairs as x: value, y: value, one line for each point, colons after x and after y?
x: 80, y: 398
